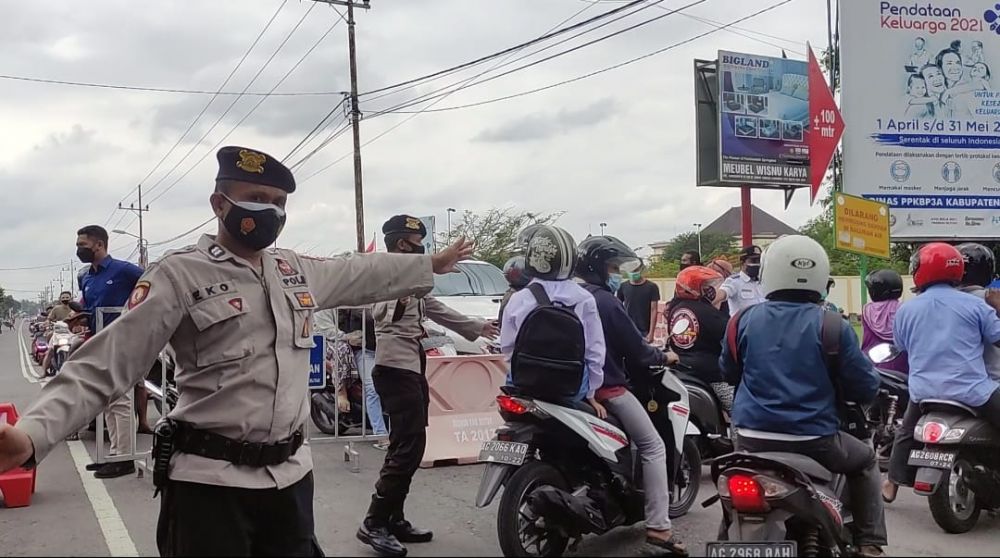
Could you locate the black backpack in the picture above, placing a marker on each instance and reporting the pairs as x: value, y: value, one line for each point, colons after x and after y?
x: 548, y: 357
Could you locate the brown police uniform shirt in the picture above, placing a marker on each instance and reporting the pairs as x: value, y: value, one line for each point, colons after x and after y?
x: 241, y: 338
x: 59, y: 313
x: 397, y: 341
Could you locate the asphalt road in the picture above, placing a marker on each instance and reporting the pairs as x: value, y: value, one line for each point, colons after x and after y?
x: 72, y: 514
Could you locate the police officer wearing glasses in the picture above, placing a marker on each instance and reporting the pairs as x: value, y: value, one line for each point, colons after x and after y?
x: 236, y: 477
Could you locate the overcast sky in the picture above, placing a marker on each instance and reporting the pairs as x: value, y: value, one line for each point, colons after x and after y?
x: 616, y: 148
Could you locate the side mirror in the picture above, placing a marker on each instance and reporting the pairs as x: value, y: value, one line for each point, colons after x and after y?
x: 883, y: 352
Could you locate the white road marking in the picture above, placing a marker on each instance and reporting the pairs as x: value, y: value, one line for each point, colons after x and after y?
x: 24, y: 359
x: 115, y: 533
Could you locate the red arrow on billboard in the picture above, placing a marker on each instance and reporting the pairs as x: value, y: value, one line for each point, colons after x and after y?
x: 826, y: 126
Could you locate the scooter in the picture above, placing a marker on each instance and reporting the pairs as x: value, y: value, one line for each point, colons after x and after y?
x: 39, y: 346
x: 61, y: 342
x: 959, y: 464
x: 566, y: 473
x: 893, y: 397
x: 708, y: 415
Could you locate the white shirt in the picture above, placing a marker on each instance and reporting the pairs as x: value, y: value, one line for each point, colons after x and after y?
x: 741, y: 292
x: 567, y: 293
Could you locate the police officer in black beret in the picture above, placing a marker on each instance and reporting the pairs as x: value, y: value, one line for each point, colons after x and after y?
x: 231, y: 463
x: 400, y: 364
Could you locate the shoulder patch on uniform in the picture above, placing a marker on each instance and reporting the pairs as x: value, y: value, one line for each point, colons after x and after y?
x: 236, y: 303
x: 305, y: 299
x: 216, y: 251
x: 204, y: 293
x: 139, y: 294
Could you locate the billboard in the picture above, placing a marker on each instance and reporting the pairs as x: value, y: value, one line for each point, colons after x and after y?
x: 763, y: 120
x: 923, y: 119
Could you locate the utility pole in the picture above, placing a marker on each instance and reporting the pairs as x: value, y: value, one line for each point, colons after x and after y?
x: 142, y: 239
x: 359, y: 205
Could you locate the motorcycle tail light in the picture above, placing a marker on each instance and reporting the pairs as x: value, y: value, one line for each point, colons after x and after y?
x: 774, y: 488
x: 746, y: 494
x: 932, y: 432
x: 513, y: 405
x: 921, y: 487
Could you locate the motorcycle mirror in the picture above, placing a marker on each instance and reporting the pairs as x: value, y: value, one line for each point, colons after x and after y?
x: 680, y: 327
x: 883, y: 352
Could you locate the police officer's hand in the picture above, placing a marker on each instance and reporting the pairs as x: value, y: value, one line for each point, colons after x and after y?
x: 445, y: 260
x: 490, y: 330
x: 15, y: 447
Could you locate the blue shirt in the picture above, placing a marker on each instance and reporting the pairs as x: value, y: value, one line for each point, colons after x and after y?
x: 943, y: 332
x: 108, y: 286
x: 994, y: 285
x: 783, y: 384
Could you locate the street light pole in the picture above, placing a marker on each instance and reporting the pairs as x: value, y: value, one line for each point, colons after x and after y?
x: 450, y: 211
x: 699, y: 238
x: 602, y: 228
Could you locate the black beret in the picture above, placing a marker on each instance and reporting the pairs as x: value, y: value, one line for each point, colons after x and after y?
x: 247, y: 165
x: 404, y: 224
x: 750, y: 252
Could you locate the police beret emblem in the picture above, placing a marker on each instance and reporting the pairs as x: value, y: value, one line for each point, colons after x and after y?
x: 251, y: 161
x: 413, y: 223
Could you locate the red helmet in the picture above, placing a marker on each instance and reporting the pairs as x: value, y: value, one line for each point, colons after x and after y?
x: 697, y: 282
x: 936, y: 262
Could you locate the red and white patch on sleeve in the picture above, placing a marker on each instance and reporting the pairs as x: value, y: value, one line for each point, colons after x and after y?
x: 139, y: 294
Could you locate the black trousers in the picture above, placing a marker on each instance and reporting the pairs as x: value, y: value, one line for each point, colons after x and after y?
x: 899, y: 471
x: 845, y: 454
x: 207, y: 520
x: 405, y: 398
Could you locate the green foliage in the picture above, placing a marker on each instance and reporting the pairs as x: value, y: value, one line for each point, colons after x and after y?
x: 494, y: 231
x: 713, y: 245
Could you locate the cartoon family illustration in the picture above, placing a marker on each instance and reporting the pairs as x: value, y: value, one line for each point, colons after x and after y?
x: 944, y: 86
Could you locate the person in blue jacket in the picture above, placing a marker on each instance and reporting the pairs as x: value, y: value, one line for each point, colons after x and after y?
x: 785, y: 397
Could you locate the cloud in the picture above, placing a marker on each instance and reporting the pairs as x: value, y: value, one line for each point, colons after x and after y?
x: 543, y: 126
x: 614, y: 148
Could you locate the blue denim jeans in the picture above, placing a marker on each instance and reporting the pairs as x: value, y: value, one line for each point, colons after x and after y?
x: 365, y: 360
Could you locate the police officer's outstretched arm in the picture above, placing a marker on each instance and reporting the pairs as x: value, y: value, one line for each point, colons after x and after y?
x: 858, y: 378
x: 101, y: 371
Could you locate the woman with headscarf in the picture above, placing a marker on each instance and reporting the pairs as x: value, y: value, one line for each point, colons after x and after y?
x: 885, y: 288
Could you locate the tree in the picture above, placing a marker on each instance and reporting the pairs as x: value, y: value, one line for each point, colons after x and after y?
x: 494, y: 231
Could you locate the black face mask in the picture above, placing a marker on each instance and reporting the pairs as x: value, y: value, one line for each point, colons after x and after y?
x: 86, y: 255
x: 753, y: 271
x: 254, y: 225
x: 685, y: 265
x: 415, y: 248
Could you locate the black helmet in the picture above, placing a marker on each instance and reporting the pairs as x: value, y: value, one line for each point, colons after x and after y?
x: 513, y: 270
x: 597, y: 253
x: 980, y: 264
x: 884, y: 284
x: 550, y: 254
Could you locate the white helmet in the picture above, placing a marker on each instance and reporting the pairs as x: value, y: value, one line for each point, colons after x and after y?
x: 794, y: 262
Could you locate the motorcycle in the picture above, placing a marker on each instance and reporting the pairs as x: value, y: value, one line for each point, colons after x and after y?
x: 708, y: 414
x: 39, y: 346
x: 893, y: 397
x: 566, y: 473
x: 958, y: 465
x: 780, y: 504
x: 61, y: 342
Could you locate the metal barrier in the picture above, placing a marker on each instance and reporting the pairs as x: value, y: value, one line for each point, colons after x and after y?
x: 142, y: 459
x: 351, y: 456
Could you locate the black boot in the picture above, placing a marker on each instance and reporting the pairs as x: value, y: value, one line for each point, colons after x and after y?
x: 404, y: 530
x: 375, y: 531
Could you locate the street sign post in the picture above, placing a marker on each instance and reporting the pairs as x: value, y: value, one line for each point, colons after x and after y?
x: 861, y: 226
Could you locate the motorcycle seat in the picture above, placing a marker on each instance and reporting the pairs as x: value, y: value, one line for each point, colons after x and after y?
x: 945, y: 405
x: 586, y: 408
x: 799, y: 462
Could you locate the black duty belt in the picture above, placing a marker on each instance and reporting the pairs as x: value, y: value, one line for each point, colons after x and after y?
x: 252, y: 454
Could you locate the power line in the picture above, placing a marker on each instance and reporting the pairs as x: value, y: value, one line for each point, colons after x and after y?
x: 169, y: 89
x: 232, y: 104
x: 31, y: 267
x: 333, y: 136
x: 601, y: 71
x: 578, y: 78
x: 462, y: 82
x: 324, y: 123
x: 507, y: 50
x: 260, y: 102
x: 183, y: 234
x: 556, y: 55
x: 214, y: 97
